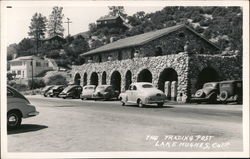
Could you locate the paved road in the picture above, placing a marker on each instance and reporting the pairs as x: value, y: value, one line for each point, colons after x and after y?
x: 79, y: 126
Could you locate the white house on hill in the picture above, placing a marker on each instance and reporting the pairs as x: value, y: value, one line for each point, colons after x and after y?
x: 22, y: 66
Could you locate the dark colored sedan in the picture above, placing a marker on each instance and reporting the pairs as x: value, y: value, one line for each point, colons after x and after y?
x: 72, y: 91
x: 55, y: 91
x: 46, y: 89
x: 105, y: 92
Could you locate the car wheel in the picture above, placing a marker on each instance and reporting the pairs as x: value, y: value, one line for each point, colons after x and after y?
x: 64, y: 97
x: 45, y: 95
x: 199, y: 93
x: 160, y: 104
x: 223, y: 96
x: 140, y: 104
x: 14, y: 119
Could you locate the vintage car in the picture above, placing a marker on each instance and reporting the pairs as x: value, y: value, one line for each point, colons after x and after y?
x: 231, y: 91
x: 55, y: 91
x: 18, y: 107
x: 87, y: 92
x: 143, y: 93
x: 207, y: 94
x: 72, y: 91
x: 105, y: 92
x: 46, y: 89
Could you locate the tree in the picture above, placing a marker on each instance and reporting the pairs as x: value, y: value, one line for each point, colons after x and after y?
x: 25, y: 47
x: 117, y: 11
x: 11, y: 51
x: 37, y: 27
x: 55, y: 26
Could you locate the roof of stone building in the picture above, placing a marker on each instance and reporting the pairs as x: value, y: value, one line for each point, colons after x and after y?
x: 141, y: 39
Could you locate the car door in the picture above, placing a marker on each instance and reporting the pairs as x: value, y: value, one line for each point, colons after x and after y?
x: 129, y: 93
x: 134, y: 94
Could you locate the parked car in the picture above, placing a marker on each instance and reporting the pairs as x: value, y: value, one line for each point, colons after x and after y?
x: 105, y: 92
x: 18, y: 107
x: 55, y: 91
x: 143, y: 93
x: 46, y: 89
x: 208, y: 93
x: 72, y: 91
x: 87, y: 92
x: 231, y: 91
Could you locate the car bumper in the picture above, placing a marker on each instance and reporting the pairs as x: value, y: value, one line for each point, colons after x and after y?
x: 155, y: 101
x: 34, y: 113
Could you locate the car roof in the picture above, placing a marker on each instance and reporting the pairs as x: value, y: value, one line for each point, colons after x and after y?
x: 231, y: 81
x: 141, y: 83
x: 90, y: 86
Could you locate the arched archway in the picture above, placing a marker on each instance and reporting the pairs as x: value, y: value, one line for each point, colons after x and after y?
x: 116, y: 80
x: 94, y: 79
x: 144, y: 76
x: 168, y: 74
x: 208, y: 74
x: 77, y: 79
x: 104, y: 77
x: 85, y: 79
x: 128, y: 79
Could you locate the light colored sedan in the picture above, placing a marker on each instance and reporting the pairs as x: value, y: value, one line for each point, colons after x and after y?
x: 18, y: 107
x: 143, y: 93
x: 87, y: 92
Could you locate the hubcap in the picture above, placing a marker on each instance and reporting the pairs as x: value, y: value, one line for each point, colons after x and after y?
x: 12, y: 120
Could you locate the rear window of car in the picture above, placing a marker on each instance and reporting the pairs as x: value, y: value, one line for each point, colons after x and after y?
x: 224, y: 85
x: 147, y: 86
x: 89, y: 87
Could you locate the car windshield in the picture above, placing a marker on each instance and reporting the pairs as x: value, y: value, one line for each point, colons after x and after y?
x: 89, y: 87
x: 47, y: 87
x: 68, y: 88
x: 210, y: 85
x: 56, y: 87
x: 147, y: 86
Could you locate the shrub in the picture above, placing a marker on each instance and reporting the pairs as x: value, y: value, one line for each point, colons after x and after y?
x: 37, y: 83
x: 55, y: 79
x: 20, y: 87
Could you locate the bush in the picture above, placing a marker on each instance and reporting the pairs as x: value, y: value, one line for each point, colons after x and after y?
x: 20, y: 87
x: 55, y: 79
x: 37, y: 83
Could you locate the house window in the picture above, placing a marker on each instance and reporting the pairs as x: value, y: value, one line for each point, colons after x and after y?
x: 38, y: 64
x: 46, y: 64
x: 119, y: 55
x: 23, y: 74
x: 132, y: 53
x: 100, y: 58
x: 181, y: 35
x: 158, y: 51
x: 19, y: 72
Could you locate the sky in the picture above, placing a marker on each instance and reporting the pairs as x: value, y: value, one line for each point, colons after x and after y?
x: 18, y: 17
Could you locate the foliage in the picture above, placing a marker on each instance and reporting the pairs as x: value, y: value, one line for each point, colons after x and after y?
x: 37, y: 83
x: 55, y: 79
x: 10, y: 76
x: 55, y: 26
x: 26, y: 47
x: 11, y: 51
x: 37, y: 27
x: 117, y: 11
x: 20, y: 87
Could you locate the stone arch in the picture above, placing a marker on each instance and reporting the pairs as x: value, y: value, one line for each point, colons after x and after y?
x: 85, y: 79
x: 144, y: 76
x: 104, y: 78
x: 115, y: 80
x: 77, y: 79
x: 168, y: 74
x: 207, y: 74
x: 94, y: 79
x: 128, y: 79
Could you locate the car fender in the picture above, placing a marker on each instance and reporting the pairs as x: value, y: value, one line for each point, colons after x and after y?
x: 124, y: 97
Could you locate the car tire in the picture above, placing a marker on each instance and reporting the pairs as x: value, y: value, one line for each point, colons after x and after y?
x: 199, y: 94
x: 123, y: 103
x: 160, y: 104
x: 140, y: 104
x: 223, y: 96
x: 16, y: 117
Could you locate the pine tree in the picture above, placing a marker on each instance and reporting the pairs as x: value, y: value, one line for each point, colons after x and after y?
x: 55, y: 26
x: 37, y: 27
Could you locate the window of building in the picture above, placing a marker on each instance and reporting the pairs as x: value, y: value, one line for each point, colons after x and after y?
x: 158, y: 51
x: 100, y: 58
x: 181, y: 35
x: 46, y: 64
x: 19, y: 72
x: 23, y: 74
x: 119, y: 55
x: 38, y: 64
x: 132, y: 53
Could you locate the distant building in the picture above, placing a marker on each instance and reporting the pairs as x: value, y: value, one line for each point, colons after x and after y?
x: 55, y: 39
x: 22, y: 66
x: 111, y: 22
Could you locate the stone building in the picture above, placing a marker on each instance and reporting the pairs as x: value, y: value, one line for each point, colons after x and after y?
x: 175, y: 59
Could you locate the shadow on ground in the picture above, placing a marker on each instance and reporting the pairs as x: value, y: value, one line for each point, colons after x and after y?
x: 24, y: 128
x: 150, y: 106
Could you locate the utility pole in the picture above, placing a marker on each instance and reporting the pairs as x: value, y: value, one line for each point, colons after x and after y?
x: 68, y: 24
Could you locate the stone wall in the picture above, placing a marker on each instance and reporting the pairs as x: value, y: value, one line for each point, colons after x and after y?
x: 156, y: 65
